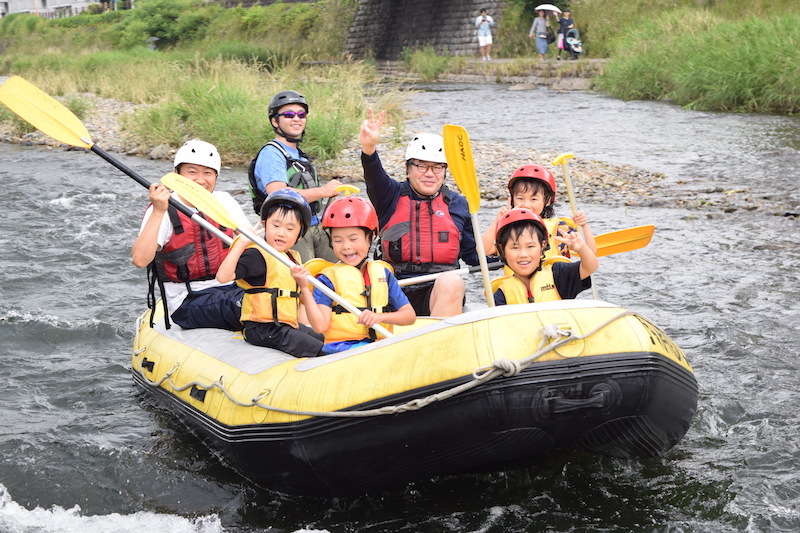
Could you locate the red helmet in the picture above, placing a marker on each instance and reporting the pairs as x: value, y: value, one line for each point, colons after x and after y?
x: 534, y: 172
x: 520, y: 214
x: 350, y: 211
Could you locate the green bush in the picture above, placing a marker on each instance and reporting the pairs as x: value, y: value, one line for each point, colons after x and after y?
x: 425, y: 62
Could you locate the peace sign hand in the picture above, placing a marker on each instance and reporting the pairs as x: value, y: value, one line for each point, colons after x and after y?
x: 371, y: 131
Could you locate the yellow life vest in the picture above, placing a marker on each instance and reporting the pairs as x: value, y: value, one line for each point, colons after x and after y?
x: 349, y: 283
x: 543, y: 287
x: 278, y: 300
x: 552, y: 228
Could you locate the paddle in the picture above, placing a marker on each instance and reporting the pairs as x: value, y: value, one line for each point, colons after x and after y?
x: 613, y: 242
x: 624, y: 240
x: 458, y: 152
x: 50, y: 117
x: 208, y: 204
x: 466, y: 270
x: 562, y: 160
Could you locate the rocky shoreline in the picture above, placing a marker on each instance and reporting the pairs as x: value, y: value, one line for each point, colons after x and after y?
x: 593, y: 181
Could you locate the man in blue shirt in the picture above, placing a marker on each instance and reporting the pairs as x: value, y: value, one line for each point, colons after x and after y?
x: 281, y: 163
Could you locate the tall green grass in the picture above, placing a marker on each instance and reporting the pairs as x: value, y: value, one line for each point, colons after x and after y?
x: 425, y: 62
x: 700, y: 60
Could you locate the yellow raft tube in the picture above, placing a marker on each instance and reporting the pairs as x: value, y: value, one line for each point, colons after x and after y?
x: 486, y: 390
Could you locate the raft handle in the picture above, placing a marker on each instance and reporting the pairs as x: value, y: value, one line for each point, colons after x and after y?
x: 559, y: 404
x: 603, y: 396
x: 148, y: 365
x: 198, y: 393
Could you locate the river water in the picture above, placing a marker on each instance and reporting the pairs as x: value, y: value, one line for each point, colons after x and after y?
x: 82, y: 451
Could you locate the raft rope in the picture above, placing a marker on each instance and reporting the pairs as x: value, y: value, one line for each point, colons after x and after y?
x: 499, y: 368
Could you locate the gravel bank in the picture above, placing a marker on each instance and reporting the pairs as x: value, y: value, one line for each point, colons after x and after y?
x: 593, y: 181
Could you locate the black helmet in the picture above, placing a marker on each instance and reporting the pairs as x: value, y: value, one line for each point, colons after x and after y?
x: 289, y: 198
x: 286, y: 97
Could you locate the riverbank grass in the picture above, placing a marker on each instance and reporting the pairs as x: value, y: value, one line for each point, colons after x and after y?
x: 701, y: 61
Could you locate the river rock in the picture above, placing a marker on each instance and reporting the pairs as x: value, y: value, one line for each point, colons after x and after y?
x: 160, y: 152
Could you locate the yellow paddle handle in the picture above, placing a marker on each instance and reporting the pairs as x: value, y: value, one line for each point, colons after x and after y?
x: 561, y: 159
x: 348, y: 189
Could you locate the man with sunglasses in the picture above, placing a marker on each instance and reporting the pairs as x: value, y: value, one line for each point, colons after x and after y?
x: 281, y: 163
x: 425, y: 227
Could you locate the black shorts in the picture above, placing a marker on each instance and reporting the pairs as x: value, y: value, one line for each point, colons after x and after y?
x: 302, y: 342
x: 419, y: 295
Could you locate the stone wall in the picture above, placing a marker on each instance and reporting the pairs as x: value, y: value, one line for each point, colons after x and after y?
x: 382, y: 28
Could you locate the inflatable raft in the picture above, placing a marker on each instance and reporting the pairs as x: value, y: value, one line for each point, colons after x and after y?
x: 488, y: 390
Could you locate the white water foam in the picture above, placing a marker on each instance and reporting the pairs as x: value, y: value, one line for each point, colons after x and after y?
x: 14, y: 518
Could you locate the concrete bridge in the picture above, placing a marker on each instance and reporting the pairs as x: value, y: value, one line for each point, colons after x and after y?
x: 382, y: 28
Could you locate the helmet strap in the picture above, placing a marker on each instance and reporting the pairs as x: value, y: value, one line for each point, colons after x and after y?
x: 280, y: 132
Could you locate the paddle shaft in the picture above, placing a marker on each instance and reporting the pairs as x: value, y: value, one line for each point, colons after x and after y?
x: 432, y: 277
x: 574, y: 207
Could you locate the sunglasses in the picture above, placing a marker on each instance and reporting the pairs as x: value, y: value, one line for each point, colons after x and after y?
x: 292, y: 114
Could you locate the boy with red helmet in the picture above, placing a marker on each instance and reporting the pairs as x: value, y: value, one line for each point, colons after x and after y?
x: 534, y: 187
x: 352, y: 223
x: 521, y: 239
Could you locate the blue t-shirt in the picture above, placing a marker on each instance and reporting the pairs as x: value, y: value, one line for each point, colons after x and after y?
x: 397, y: 297
x: 271, y: 167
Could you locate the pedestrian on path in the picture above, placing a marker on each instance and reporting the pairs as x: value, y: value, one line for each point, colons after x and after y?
x: 484, y: 23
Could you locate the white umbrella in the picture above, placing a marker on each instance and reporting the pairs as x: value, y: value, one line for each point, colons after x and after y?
x: 547, y: 7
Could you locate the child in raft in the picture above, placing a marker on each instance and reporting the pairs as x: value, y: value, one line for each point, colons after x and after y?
x: 369, y: 285
x: 271, y: 295
x: 534, y: 187
x: 521, y: 239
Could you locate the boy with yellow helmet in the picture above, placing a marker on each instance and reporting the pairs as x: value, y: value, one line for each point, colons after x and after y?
x: 369, y: 285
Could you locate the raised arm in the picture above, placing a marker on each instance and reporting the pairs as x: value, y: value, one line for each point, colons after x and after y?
x: 371, y: 131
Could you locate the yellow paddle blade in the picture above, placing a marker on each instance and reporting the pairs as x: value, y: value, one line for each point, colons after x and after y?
x: 561, y: 159
x: 458, y: 152
x: 43, y: 112
x: 624, y: 240
x: 199, y: 197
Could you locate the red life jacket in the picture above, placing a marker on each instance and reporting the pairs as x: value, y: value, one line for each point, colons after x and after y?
x: 192, y: 253
x: 421, y: 236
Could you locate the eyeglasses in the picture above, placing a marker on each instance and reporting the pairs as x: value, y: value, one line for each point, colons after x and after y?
x: 437, y: 168
x: 292, y: 114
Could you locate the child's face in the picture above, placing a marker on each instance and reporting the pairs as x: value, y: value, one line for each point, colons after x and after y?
x: 282, y: 229
x: 206, y: 177
x: 350, y: 245
x: 530, y: 197
x: 524, y: 253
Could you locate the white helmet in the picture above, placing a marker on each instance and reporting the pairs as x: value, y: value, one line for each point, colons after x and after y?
x: 198, y: 152
x: 426, y: 147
